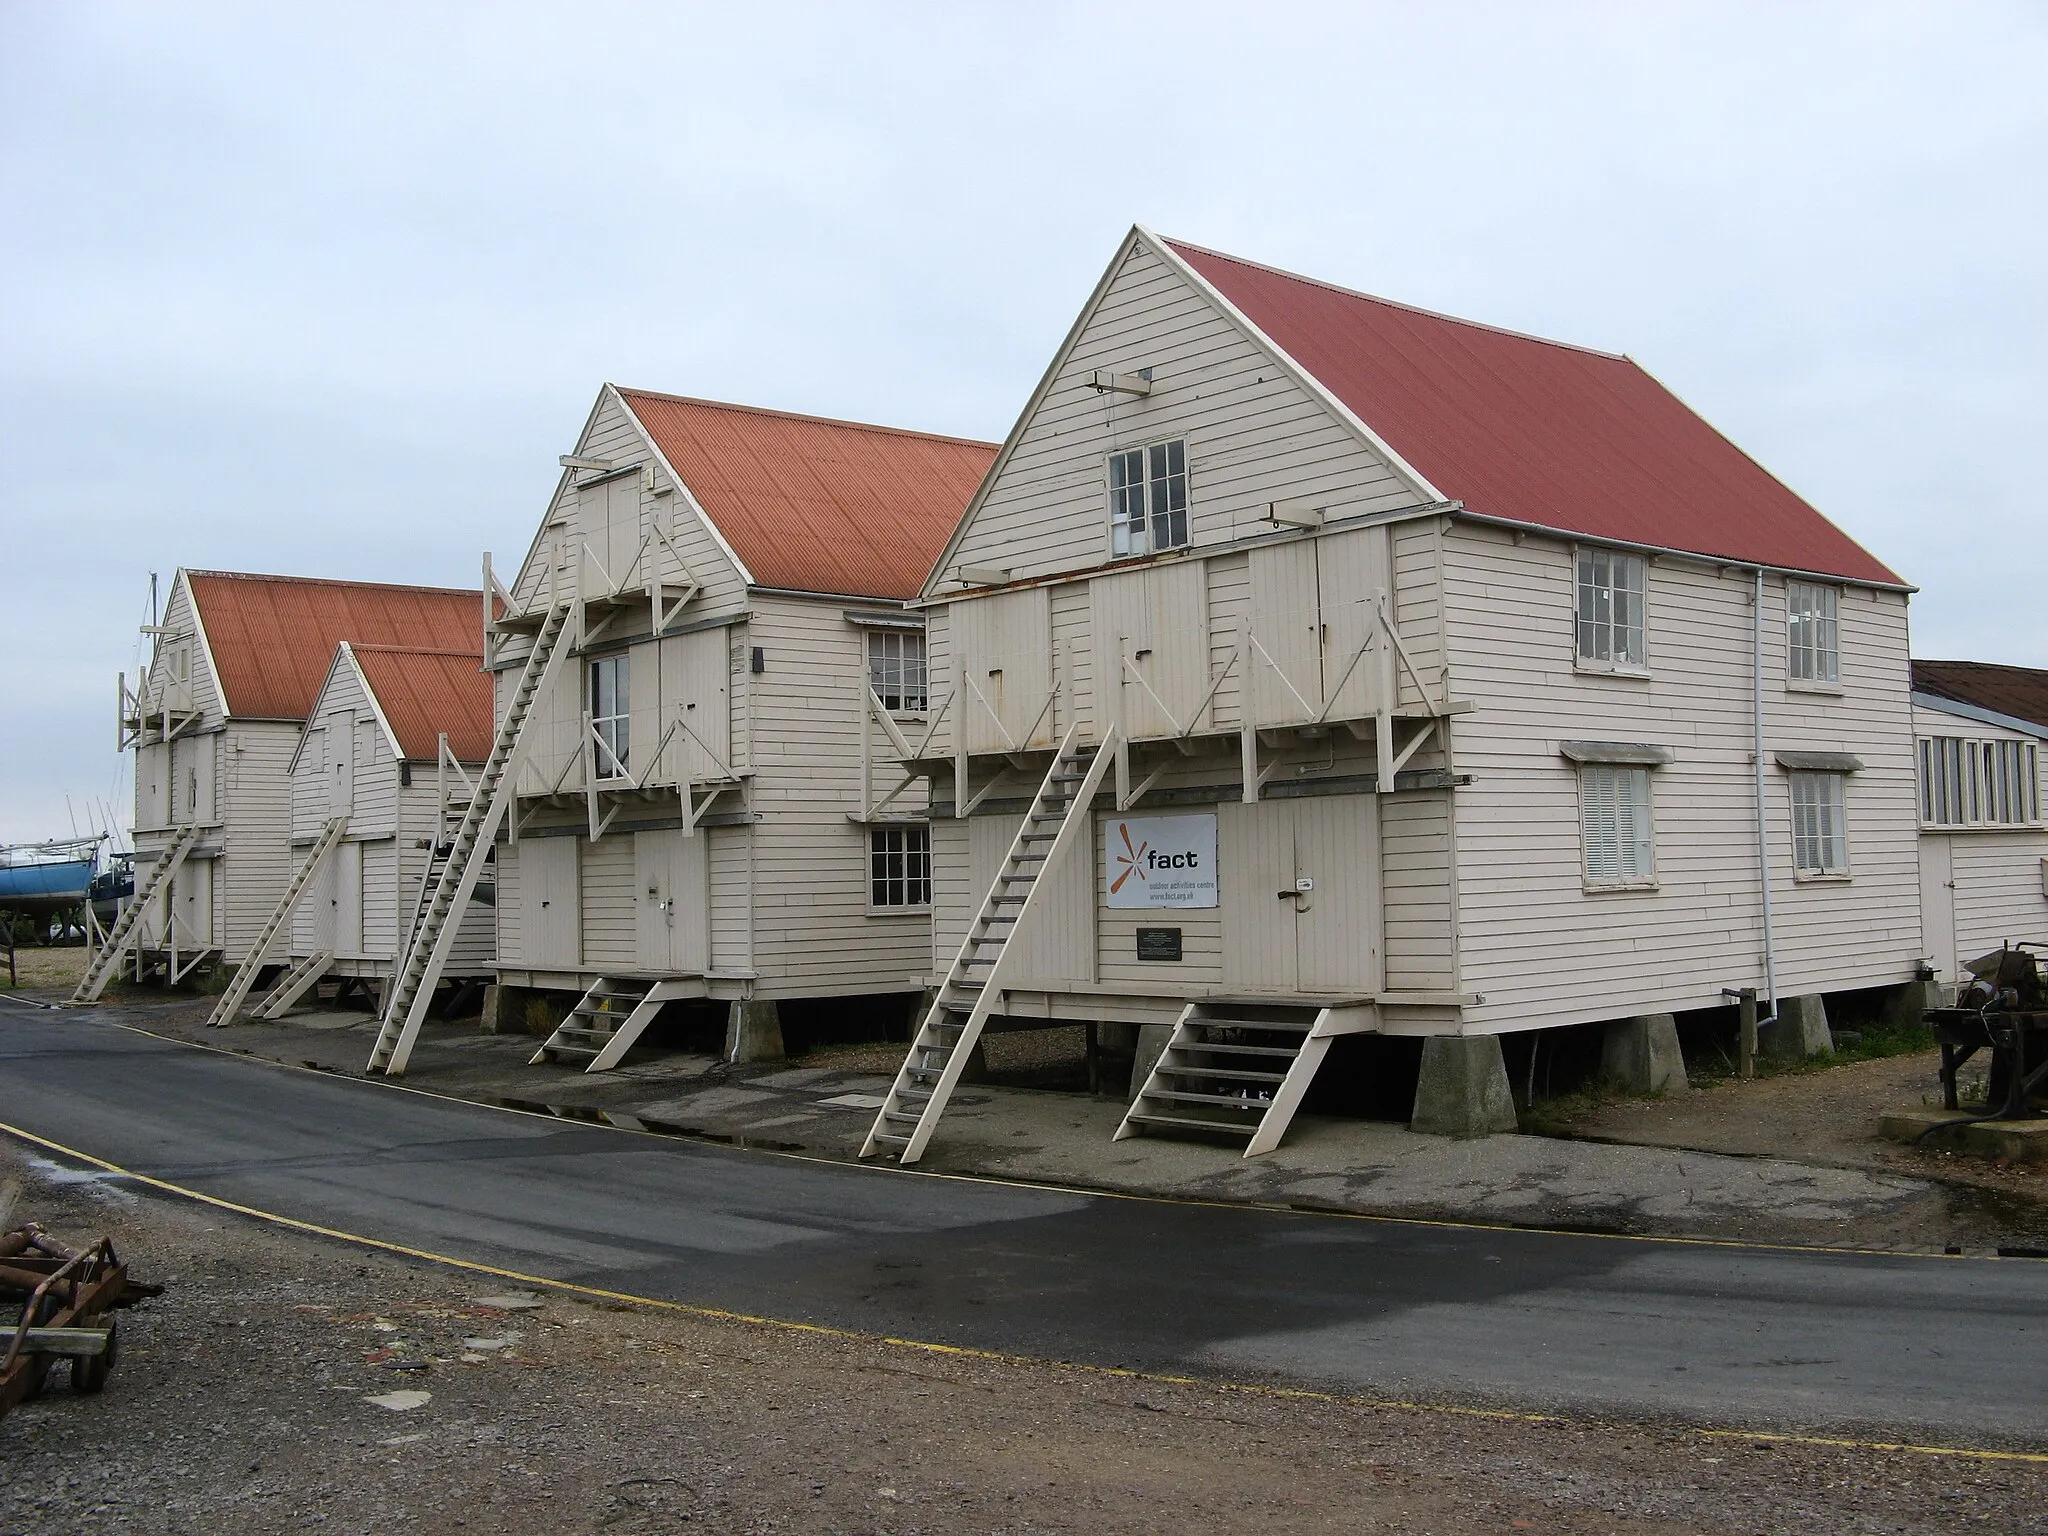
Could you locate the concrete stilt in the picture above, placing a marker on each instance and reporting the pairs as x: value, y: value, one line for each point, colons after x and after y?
x: 1152, y: 1041
x: 753, y: 1030
x: 1908, y: 1003
x: 1641, y: 1055
x: 1801, y: 1030
x: 975, y: 1068
x: 1462, y: 1089
x: 501, y: 1006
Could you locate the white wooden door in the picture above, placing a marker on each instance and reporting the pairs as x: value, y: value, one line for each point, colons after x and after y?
x: 1003, y: 671
x: 193, y: 902
x: 1337, y: 923
x: 1301, y: 895
x: 320, y: 907
x: 548, y: 904
x: 192, y: 779
x: 673, y: 899
x: 1151, y: 634
x: 1938, y: 905
x: 152, y: 780
x: 1287, y: 661
x: 382, y: 898
x: 1351, y: 576
x: 341, y: 766
x: 348, y: 899
x: 696, y: 689
x: 1255, y: 859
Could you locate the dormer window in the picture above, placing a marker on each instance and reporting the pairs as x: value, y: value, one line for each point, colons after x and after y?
x: 1148, y: 498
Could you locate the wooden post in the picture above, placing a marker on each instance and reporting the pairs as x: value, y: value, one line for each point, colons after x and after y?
x: 1745, y: 1066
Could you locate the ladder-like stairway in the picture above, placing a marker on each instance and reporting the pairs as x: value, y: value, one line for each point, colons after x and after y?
x: 612, y: 1015
x: 1060, y: 816
x: 280, y: 917
x: 294, y: 984
x: 128, y: 926
x: 1234, y: 1069
x: 433, y: 936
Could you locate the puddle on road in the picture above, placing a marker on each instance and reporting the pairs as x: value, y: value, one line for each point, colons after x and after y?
x: 624, y: 1121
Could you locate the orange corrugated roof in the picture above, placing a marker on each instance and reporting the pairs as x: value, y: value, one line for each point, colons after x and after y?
x: 1536, y: 431
x: 424, y: 693
x: 273, y: 637
x: 816, y: 505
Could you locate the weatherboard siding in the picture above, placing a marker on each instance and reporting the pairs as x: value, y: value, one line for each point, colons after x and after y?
x: 1540, y: 948
x: 256, y: 856
x: 1997, y: 881
x: 613, y: 434
x: 815, y: 933
x: 1255, y: 437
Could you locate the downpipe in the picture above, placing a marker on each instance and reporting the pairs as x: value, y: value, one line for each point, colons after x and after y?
x: 1763, y: 819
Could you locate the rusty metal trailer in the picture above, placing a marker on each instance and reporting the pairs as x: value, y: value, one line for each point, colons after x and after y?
x: 63, y: 1300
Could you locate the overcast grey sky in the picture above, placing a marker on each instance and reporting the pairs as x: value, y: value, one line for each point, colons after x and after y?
x: 325, y: 290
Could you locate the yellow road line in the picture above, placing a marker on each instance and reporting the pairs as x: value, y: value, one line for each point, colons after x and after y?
x: 1049, y: 1186
x: 967, y: 1352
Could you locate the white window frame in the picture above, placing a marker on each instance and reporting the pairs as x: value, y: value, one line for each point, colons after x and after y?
x: 1153, y: 513
x: 1970, y: 783
x: 1617, y: 831
x: 1813, y: 636
x: 1601, y: 582
x: 897, y: 671
x: 611, y: 682
x: 1820, y: 824
x: 899, y: 867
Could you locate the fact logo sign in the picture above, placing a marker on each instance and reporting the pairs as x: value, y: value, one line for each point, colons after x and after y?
x: 1156, y: 862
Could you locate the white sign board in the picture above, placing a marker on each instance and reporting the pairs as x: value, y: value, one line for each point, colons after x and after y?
x: 1154, y: 862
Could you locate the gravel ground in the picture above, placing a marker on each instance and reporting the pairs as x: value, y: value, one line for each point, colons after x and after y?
x: 244, y: 1401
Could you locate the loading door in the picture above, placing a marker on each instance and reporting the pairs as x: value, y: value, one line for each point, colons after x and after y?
x: 1301, y: 895
x: 672, y: 898
x: 548, y: 902
x: 1938, y: 904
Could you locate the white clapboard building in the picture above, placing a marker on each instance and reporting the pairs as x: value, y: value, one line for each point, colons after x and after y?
x: 1979, y: 730
x: 711, y: 621
x: 237, y: 662
x: 1311, y: 666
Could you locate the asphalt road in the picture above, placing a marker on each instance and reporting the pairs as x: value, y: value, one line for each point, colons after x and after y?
x: 1922, y: 1348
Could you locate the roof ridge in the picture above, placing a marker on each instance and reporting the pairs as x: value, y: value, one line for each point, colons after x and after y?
x: 1413, y: 309
x: 824, y: 421
x: 335, y: 581
x: 411, y: 650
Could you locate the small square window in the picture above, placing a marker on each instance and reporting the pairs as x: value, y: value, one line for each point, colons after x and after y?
x: 1610, y: 610
x: 1148, y: 498
x: 1614, y: 813
x: 1813, y: 651
x: 1820, y: 839
x: 896, y: 669
x: 900, y: 866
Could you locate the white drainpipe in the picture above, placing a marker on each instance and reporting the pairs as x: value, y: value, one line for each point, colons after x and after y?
x: 1763, y: 826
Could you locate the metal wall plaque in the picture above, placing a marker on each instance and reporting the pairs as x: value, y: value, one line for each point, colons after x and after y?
x: 1158, y: 943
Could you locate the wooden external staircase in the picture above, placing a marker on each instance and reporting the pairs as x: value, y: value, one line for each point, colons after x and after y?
x: 433, y: 935
x: 1060, y: 816
x: 601, y: 1028
x: 280, y: 918
x: 128, y: 926
x: 1239, y: 1069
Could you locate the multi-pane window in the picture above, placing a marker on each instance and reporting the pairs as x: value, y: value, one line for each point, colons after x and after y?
x: 1148, y: 498
x: 896, y: 669
x: 1820, y: 841
x: 1966, y: 783
x: 1813, y: 635
x: 1610, y: 609
x: 900, y: 866
x: 610, y: 715
x: 1614, y: 814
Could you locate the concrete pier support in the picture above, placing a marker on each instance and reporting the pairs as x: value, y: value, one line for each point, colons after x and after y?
x: 1641, y: 1055
x: 1152, y: 1041
x: 1463, y: 1087
x: 753, y: 1031
x: 1801, y: 1030
x: 1908, y: 1004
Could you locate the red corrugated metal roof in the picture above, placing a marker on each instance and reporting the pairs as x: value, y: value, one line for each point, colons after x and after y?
x: 273, y: 637
x: 2021, y: 692
x: 1536, y: 431
x: 816, y: 505
x: 424, y: 693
